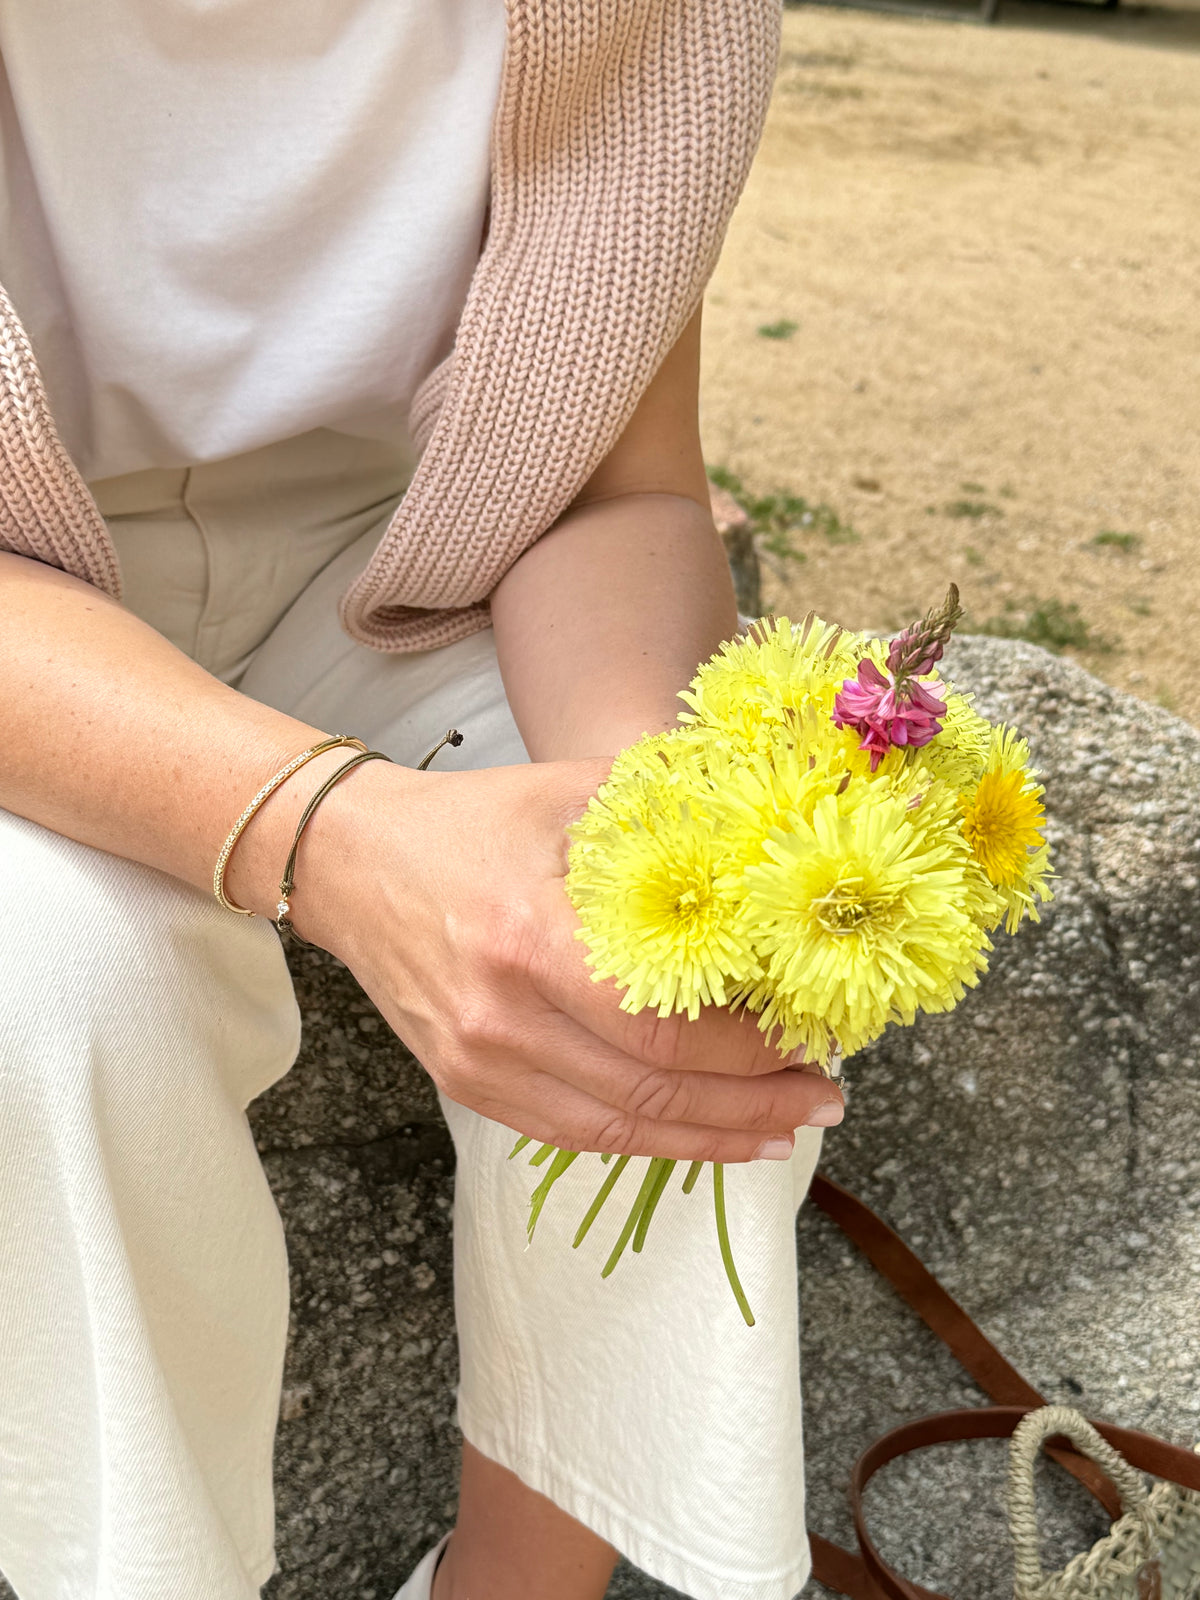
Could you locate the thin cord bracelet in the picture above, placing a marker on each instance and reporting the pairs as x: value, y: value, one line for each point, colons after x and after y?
x: 264, y: 794
x: 288, y: 882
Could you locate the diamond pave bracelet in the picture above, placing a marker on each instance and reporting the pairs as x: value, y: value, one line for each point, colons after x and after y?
x: 264, y: 794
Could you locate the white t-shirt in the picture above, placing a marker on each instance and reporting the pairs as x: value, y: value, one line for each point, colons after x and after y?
x: 227, y: 222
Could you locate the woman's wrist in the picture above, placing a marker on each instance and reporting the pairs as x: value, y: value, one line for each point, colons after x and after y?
x: 603, y: 621
x: 338, y: 862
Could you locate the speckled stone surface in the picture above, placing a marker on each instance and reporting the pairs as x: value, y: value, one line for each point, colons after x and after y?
x: 1040, y: 1149
x: 367, y: 1449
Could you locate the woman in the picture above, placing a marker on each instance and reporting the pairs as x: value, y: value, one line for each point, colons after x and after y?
x: 243, y: 237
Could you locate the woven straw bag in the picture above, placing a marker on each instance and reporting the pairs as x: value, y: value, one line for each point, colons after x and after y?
x: 1151, y: 1553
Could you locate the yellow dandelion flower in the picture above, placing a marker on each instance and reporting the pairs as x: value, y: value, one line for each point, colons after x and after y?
x: 756, y: 788
x: 862, y: 917
x: 648, y: 875
x: 753, y: 794
x: 641, y: 780
x: 1002, y: 823
x: 781, y: 1019
x: 959, y: 754
x: 656, y: 754
x: 936, y: 807
x: 755, y: 685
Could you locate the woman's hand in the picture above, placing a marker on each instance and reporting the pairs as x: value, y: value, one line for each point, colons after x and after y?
x: 444, y: 895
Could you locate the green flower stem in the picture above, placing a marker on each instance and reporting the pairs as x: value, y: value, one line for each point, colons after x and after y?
x: 726, y: 1251
x: 648, y: 1210
x: 594, y: 1209
x: 546, y: 1151
x: 519, y: 1146
x: 562, y: 1160
x: 693, y: 1172
x: 631, y: 1220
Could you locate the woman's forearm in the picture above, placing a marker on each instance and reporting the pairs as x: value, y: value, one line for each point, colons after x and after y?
x: 115, y: 738
x: 606, y: 618
x: 442, y: 892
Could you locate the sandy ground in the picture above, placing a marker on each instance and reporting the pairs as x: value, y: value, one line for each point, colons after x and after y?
x: 988, y: 241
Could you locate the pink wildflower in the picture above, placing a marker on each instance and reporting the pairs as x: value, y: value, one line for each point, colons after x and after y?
x: 894, y: 707
x: 887, y: 713
x: 913, y: 653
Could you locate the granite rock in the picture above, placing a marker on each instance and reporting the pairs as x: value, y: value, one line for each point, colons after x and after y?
x: 367, y: 1445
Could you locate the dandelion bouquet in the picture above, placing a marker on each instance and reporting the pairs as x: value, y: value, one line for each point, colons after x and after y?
x: 826, y: 839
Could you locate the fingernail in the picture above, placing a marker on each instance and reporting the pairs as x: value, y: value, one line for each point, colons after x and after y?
x: 827, y: 1115
x: 796, y: 1059
x: 779, y: 1149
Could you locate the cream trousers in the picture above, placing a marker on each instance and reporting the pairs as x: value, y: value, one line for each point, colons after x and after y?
x: 143, y: 1276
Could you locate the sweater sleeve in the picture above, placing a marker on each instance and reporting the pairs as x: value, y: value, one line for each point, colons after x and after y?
x: 46, y: 510
x: 622, y: 141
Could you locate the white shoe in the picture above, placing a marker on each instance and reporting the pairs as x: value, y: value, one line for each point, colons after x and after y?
x: 420, y: 1585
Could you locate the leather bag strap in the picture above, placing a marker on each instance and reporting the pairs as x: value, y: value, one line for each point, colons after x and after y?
x: 867, y: 1576
x: 943, y: 1316
x: 914, y: 1282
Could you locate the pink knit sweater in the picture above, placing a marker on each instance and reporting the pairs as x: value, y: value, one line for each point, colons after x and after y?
x: 623, y: 137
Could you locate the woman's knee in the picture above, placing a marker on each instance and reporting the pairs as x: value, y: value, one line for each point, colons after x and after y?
x: 108, y: 966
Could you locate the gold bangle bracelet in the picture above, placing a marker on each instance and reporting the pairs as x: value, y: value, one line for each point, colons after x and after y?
x: 264, y: 794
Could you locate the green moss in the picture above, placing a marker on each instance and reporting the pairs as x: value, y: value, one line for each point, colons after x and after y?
x: 974, y: 509
x: 1054, y: 624
x: 776, y: 520
x: 1110, y: 539
x: 778, y: 330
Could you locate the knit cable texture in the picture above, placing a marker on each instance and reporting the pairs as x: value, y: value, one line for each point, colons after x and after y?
x: 46, y: 510
x: 622, y: 140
